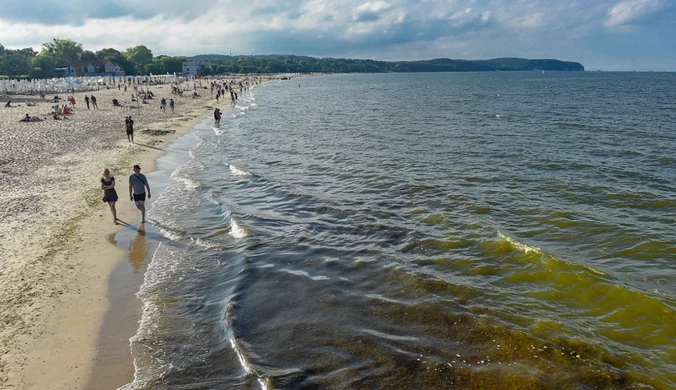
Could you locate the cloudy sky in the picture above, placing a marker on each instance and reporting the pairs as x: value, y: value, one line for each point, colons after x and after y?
x: 600, y: 34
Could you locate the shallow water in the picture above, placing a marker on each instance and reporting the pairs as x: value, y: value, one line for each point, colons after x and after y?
x: 470, y: 230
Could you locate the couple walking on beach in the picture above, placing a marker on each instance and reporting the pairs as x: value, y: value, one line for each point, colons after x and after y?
x: 163, y: 105
x: 138, y: 184
x: 87, y: 99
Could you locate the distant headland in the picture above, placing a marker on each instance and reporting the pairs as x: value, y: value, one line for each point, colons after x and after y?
x: 218, y: 63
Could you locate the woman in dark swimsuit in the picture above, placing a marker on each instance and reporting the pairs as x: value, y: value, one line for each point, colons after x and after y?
x: 109, y: 193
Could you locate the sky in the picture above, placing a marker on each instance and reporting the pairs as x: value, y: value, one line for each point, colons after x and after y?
x: 611, y: 35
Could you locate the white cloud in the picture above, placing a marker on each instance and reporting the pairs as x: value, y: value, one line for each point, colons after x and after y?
x: 369, y: 11
x: 378, y: 29
x: 485, y: 16
x: 460, y: 15
x: 526, y: 15
x: 627, y: 11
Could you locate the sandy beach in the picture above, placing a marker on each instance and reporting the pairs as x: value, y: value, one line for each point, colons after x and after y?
x: 56, y: 257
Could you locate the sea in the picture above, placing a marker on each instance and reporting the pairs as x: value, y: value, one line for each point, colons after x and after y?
x: 497, y: 230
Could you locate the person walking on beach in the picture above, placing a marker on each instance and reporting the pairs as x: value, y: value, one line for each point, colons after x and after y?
x: 137, y: 190
x: 129, y: 125
x: 87, y: 101
x: 171, y: 105
x: 163, y: 105
x: 93, y: 100
x: 109, y: 193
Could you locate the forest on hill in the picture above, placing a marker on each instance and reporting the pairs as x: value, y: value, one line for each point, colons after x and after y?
x: 301, y: 64
x: 139, y: 60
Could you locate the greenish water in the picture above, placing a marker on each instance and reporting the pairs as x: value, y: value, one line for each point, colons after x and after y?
x: 483, y: 230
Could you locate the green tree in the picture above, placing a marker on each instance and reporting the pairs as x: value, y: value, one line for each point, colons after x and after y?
x: 140, y: 56
x: 42, y: 65
x: 117, y: 57
x: 63, y: 49
x: 166, y: 64
x: 87, y: 55
x: 108, y: 54
x: 16, y: 63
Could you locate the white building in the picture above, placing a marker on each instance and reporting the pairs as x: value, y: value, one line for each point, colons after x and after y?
x: 193, y: 68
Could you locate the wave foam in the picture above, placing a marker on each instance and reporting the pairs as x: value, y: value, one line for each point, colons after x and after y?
x: 522, y: 247
x: 187, y: 182
x: 240, y: 353
x: 238, y: 172
x: 236, y: 231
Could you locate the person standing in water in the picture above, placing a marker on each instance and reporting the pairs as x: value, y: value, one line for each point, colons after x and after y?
x: 217, y: 117
x: 137, y: 190
x: 109, y: 193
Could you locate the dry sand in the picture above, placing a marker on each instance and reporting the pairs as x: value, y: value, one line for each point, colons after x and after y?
x: 55, y: 258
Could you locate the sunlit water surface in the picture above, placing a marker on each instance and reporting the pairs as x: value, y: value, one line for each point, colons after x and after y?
x: 419, y: 231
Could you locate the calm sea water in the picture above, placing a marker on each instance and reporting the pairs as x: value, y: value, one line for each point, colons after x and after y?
x: 419, y: 231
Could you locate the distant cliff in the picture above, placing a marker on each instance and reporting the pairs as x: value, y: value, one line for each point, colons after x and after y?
x: 300, y: 64
x: 496, y: 64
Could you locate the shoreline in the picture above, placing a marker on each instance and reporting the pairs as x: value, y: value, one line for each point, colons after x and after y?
x: 69, y: 318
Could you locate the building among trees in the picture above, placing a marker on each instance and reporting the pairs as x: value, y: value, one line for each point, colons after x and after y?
x: 195, y: 68
x: 88, y: 68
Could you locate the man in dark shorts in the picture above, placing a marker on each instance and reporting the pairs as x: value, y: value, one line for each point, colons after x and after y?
x: 129, y: 125
x: 137, y: 190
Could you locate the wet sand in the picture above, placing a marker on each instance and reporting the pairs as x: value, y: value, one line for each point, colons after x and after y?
x: 66, y: 290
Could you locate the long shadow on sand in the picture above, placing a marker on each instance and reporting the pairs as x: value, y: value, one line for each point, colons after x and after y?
x: 147, y: 146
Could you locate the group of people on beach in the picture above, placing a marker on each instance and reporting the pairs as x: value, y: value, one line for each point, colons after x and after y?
x: 29, y: 118
x: 138, y: 184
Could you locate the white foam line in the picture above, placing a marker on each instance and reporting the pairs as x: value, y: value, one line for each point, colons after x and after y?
x: 527, y: 249
x: 144, y: 321
x: 245, y: 365
x: 238, y: 351
x: 390, y: 336
x: 172, y: 236
x: 523, y: 247
x: 189, y: 183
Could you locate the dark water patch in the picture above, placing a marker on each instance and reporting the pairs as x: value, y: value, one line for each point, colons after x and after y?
x: 433, y: 247
x: 569, y: 124
x: 424, y: 344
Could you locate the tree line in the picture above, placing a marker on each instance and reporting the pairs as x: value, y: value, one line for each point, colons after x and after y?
x: 220, y: 64
x: 139, y: 60
x: 27, y: 63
